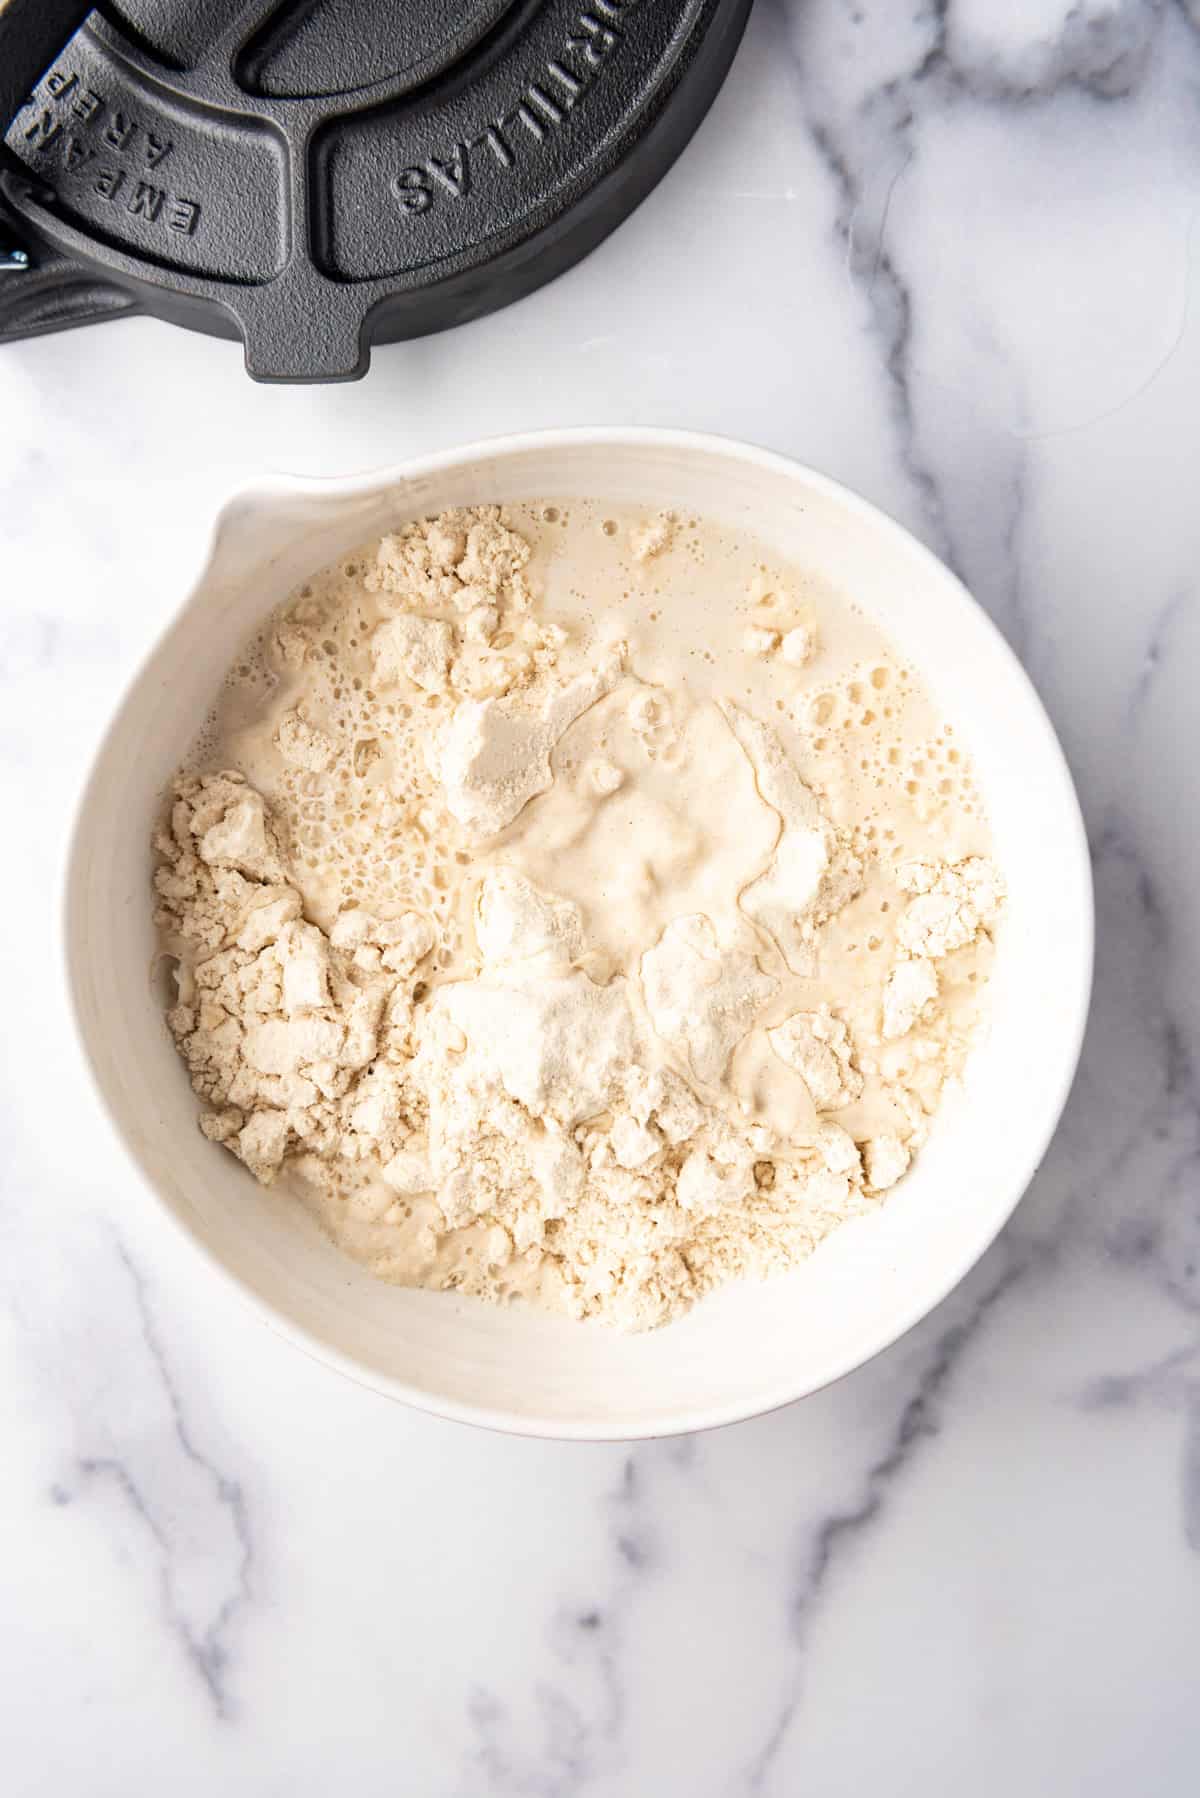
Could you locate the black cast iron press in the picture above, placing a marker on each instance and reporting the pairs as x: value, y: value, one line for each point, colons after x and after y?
x: 317, y: 176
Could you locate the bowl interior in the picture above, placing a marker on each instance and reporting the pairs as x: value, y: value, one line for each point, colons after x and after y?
x: 749, y: 1347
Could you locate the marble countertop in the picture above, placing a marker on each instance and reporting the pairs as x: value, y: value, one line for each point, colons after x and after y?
x: 946, y: 252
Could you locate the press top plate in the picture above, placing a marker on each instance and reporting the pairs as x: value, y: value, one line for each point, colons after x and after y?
x: 317, y: 177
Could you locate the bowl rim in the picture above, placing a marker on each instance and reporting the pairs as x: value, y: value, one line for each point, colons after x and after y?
x: 1077, y: 970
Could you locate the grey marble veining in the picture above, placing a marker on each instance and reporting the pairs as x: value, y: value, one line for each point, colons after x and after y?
x: 947, y: 252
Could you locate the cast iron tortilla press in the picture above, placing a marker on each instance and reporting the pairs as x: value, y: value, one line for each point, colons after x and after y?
x: 316, y: 176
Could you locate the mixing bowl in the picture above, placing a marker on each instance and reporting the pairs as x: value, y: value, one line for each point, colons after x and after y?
x: 747, y: 1348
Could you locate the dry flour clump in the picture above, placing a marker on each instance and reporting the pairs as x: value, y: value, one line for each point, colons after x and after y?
x: 290, y: 1035
x: 535, y: 963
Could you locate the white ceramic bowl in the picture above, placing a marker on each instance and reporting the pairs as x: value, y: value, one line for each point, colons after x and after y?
x: 751, y: 1347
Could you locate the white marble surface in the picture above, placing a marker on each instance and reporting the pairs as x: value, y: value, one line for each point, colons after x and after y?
x: 947, y: 253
